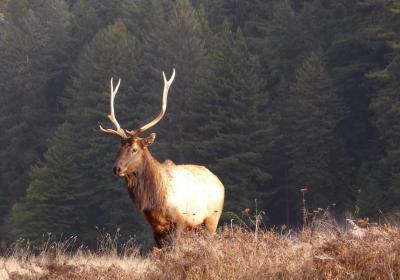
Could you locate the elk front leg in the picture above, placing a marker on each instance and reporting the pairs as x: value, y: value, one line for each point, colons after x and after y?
x: 162, y: 239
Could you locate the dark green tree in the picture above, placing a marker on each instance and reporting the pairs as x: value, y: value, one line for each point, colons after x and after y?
x: 89, y: 16
x: 184, y: 46
x: 31, y: 44
x: 77, y: 174
x: 379, y: 176
x: 284, y: 47
x: 54, y: 202
x: 227, y: 122
x: 350, y: 55
x: 177, y: 38
x: 317, y: 157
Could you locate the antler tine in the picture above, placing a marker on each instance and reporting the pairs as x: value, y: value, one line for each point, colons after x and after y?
x: 167, y: 84
x: 119, y: 131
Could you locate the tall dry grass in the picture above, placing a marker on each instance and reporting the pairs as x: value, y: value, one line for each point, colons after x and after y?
x: 322, y: 251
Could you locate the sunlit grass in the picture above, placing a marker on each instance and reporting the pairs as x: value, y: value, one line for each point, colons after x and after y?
x: 324, y: 251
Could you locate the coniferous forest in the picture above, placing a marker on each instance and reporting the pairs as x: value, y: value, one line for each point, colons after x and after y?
x: 272, y: 96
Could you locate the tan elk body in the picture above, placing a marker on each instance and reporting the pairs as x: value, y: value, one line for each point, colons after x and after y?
x: 171, y: 197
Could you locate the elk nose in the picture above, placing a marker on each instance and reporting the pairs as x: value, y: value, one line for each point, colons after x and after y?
x: 116, y: 170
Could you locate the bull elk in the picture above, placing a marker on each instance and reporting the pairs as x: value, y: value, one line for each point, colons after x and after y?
x: 171, y: 197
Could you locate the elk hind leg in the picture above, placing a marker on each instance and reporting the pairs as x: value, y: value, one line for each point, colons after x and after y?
x: 211, y: 224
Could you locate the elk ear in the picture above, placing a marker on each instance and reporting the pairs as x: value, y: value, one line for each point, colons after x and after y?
x: 149, y: 139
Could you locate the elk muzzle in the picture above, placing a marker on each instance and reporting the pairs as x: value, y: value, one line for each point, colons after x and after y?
x: 116, y: 170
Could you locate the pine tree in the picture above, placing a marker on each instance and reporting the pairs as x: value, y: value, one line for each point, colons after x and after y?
x: 316, y: 153
x: 351, y: 55
x: 177, y: 38
x: 76, y: 174
x: 89, y: 16
x: 29, y: 50
x: 286, y: 44
x: 227, y: 121
x: 54, y: 202
x: 185, y: 47
x: 378, y: 177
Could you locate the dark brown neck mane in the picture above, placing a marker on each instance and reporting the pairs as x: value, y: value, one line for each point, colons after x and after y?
x: 146, y: 186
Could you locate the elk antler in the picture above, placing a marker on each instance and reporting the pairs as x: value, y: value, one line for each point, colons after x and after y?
x: 167, y: 84
x: 119, y: 131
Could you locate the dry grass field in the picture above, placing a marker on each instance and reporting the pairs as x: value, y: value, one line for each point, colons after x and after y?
x: 318, y: 252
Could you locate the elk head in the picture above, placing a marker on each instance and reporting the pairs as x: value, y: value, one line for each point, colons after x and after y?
x: 131, y: 152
